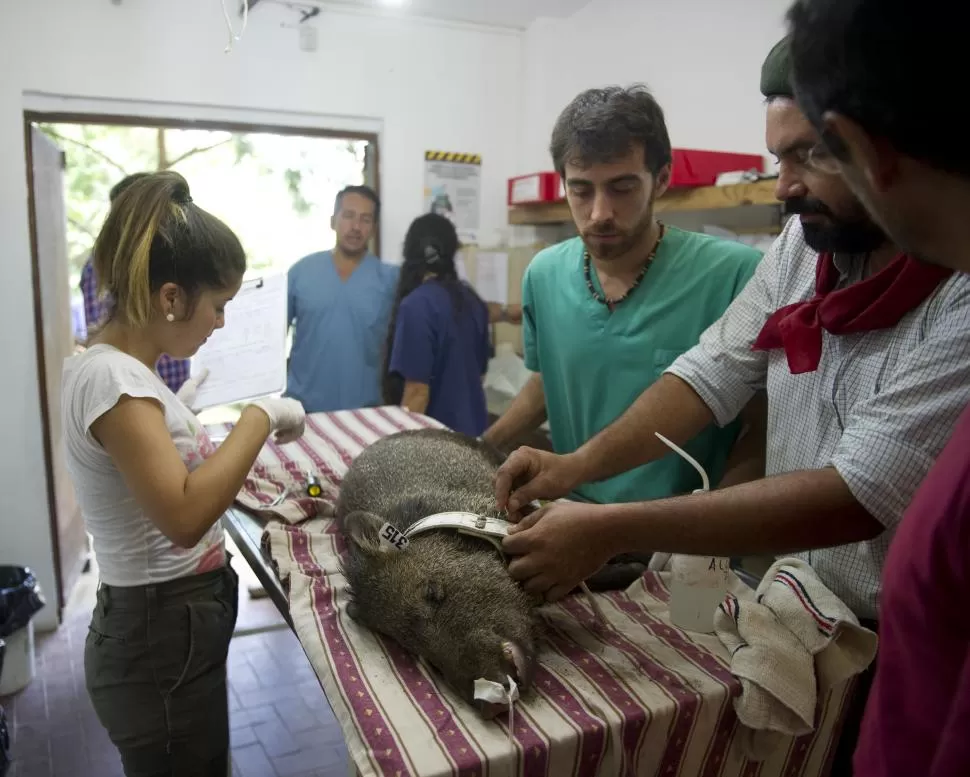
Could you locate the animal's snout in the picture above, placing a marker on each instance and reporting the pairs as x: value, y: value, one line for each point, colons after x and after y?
x: 517, y: 671
x: 518, y: 665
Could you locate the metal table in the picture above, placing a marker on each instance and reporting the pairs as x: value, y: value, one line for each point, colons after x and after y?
x: 247, y: 531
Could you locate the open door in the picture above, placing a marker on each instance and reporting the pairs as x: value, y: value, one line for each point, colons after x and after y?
x: 372, y: 178
x: 55, y: 342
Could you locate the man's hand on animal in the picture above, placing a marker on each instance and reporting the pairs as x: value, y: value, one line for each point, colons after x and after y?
x: 529, y: 474
x: 558, y: 547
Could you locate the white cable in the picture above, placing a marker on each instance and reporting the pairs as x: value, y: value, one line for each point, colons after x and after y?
x: 690, y: 459
x: 232, y: 35
x: 660, y: 561
x: 496, y: 693
x: 594, y: 605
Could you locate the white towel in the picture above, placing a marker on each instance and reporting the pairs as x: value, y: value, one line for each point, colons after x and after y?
x: 790, y: 640
x: 660, y: 562
x: 776, y: 673
x: 827, y: 628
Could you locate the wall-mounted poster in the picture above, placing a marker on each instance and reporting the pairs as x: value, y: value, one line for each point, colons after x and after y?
x: 453, y: 188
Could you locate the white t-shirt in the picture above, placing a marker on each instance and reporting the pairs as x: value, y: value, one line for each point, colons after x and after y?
x: 129, y: 548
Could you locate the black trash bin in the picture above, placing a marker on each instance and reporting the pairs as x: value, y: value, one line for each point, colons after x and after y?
x: 4, y: 731
x: 20, y: 600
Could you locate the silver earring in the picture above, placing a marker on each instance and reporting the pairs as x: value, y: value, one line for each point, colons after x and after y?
x: 170, y: 317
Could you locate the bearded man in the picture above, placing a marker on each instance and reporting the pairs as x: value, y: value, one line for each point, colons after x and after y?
x: 864, y: 350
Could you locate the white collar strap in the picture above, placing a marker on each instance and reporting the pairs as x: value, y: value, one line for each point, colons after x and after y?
x: 491, y: 529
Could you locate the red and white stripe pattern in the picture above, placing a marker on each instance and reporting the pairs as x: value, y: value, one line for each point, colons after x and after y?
x: 636, y: 697
x: 824, y: 623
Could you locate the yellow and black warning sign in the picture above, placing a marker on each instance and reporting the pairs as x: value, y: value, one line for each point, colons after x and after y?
x: 453, y: 189
x: 451, y: 156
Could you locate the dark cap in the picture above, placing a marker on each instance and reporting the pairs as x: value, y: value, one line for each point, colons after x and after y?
x: 776, y: 71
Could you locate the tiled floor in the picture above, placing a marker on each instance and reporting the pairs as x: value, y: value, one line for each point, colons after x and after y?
x: 282, y: 725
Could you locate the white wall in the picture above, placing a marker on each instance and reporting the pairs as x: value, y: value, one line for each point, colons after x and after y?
x: 423, y: 85
x: 427, y: 85
x: 701, y: 58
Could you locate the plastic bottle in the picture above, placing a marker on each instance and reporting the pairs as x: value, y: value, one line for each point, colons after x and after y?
x: 698, y: 584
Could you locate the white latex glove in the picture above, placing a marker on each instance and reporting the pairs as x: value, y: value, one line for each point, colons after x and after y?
x: 287, y: 418
x: 189, y: 391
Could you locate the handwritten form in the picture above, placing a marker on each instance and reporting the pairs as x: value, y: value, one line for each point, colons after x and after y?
x: 247, y: 357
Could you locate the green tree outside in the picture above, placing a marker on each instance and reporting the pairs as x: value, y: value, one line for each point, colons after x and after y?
x: 276, y: 192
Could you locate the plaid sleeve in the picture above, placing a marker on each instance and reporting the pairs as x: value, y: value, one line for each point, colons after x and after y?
x: 891, y: 440
x: 173, y: 372
x: 722, y: 368
x: 93, y: 309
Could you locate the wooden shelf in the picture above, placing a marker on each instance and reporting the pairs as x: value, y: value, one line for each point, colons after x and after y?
x: 701, y: 198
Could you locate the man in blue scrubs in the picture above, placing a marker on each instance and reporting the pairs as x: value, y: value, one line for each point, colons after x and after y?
x: 339, y: 302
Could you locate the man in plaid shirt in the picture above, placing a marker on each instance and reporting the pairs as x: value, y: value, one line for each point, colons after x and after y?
x: 174, y: 372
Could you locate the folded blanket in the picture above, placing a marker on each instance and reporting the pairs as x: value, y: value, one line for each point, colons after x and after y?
x: 823, y: 623
x: 776, y: 673
x: 790, y: 641
x: 276, y: 494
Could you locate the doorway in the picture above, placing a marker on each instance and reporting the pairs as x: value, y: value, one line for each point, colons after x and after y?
x: 273, y: 185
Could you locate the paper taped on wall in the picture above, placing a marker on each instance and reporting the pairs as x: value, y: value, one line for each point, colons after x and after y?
x: 492, y: 277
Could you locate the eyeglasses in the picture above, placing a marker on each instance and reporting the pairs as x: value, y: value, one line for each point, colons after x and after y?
x: 818, y: 159
x: 823, y: 160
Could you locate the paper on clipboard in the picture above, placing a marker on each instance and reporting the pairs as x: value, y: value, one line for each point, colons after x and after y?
x: 247, y: 357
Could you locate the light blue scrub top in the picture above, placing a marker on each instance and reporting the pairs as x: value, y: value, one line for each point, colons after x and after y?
x: 340, y: 330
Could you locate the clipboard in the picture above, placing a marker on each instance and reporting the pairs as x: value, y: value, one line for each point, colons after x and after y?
x: 246, y: 359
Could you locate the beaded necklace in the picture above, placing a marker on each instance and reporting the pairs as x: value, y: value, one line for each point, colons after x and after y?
x: 609, y: 301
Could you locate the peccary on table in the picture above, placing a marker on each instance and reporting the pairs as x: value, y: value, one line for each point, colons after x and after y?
x: 446, y: 597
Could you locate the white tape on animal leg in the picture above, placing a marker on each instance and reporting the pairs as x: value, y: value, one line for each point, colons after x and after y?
x: 496, y: 693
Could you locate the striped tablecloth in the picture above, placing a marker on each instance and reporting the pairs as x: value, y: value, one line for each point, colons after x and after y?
x: 636, y: 697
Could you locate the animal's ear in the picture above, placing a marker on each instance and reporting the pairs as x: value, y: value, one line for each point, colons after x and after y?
x: 362, y: 530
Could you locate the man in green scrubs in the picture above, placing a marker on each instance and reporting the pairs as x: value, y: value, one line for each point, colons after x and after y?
x: 604, y: 314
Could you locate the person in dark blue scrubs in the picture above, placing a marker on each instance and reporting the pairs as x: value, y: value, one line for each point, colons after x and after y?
x: 438, y: 343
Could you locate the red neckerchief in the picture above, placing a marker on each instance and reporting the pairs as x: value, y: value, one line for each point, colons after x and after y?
x: 877, y: 302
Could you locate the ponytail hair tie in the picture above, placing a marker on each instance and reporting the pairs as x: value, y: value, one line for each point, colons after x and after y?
x: 432, y: 255
x: 181, y: 194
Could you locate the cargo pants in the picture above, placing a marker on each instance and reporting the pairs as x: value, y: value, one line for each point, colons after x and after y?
x: 155, y: 668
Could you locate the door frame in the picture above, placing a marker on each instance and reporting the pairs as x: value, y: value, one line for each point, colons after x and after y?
x: 217, y: 125
x: 126, y: 120
x: 45, y: 418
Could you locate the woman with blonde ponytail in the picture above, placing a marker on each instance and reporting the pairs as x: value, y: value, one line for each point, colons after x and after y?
x: 152, y: 487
